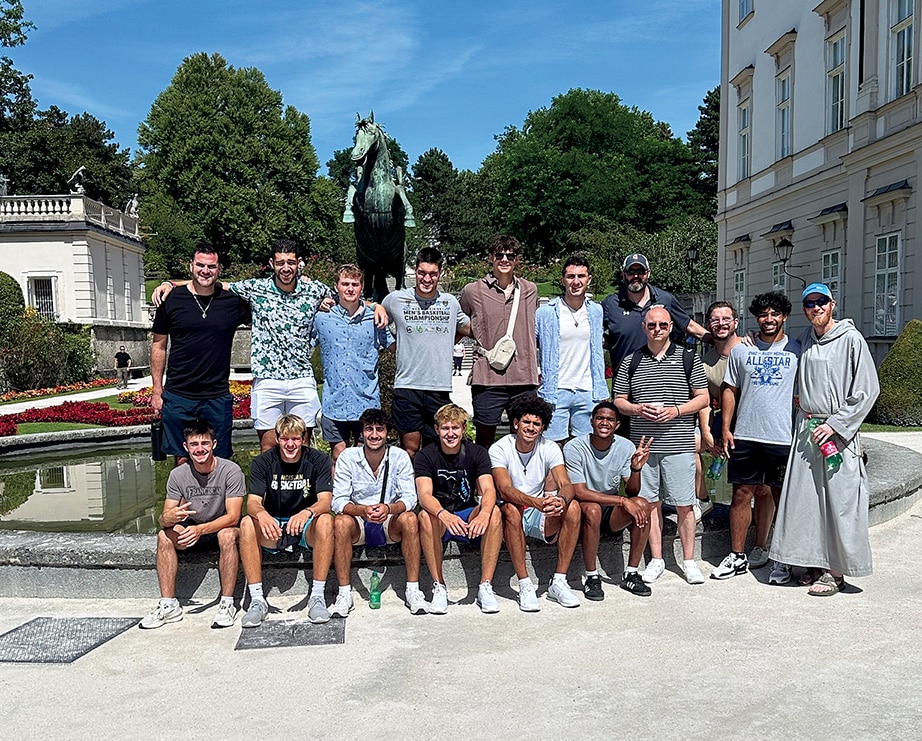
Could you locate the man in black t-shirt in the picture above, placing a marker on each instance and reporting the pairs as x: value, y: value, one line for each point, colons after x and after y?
x: 288, y: 505
x: 451, y: 475
x: 122, y: 367
x: 198, y: 321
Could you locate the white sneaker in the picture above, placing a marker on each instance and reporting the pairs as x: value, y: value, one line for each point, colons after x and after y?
x: 254, y: 617
x: 161, y: 615
x: 439, y: 603
x: 560, y: 592
x: 654, y: 570
x: 693, y: 574
x: 416, y: 602
x: 225, y: 616
x: 758, y: 557
x: 317, y: 610
x: 343, y: 605
x: 528, y: 597
x: 486, y: 599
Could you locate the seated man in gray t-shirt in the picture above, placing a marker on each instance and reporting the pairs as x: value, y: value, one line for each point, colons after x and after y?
x: 204, y: 500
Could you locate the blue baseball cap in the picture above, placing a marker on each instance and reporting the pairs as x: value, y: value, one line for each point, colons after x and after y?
x: 820, y: 288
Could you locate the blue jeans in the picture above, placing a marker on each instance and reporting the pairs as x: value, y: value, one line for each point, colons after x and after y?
x: 571, y: 415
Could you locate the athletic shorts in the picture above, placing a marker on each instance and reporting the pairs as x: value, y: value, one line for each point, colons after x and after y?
x: 669, y: 477
x: 413, y: 410
x: 464, y: 514
x: 287, y: 541
x: 336, y: 431
x: 491, y: 401
x: 533, y: 521
x: 373, y: 534
x: 271, y: 398
x: 206, y: 542
x: 571, y: 415
x: 605, y: 526
x: 752, y: 463
x: 178, y: 411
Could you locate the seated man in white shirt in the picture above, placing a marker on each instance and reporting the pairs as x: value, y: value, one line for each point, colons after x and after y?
x: 374, y: 497
x: 522, y: 462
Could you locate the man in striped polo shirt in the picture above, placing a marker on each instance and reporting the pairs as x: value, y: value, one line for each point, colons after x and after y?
x: 662, y: 387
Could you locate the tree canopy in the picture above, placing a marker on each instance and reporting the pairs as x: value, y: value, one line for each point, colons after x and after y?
x: 222, y: 159
x: 704, y: 141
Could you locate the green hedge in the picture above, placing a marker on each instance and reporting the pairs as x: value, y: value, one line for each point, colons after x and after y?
x: 900, y: 400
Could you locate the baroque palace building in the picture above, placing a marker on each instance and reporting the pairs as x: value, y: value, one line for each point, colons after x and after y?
x: 820, y: 157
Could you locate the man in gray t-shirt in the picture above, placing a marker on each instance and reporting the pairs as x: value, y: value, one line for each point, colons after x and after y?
x: 427, y: 323
x: 757, y: 406
x: 204, y: 500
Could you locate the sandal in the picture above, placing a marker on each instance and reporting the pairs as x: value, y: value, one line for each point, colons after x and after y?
x: 830, y: 585
x: 810, y: 577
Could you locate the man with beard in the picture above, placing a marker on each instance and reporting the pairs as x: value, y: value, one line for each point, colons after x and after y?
x: 198, y: 321
x: 757, y: 405
x: 823, y: 513
x: 572, y: 356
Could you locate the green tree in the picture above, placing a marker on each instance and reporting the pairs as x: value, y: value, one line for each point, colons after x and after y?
x: 37, y: 353
x: 704, y: 141
x: 221, y: 152
x: 900, y: 400
x: 16, y: 104
x: 11, y: 303
x: 588, y: 155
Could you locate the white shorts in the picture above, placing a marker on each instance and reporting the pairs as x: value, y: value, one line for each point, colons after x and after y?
x: 271, y: 398
x: 533, y: 524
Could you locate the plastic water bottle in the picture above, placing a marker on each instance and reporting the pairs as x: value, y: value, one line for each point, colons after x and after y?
x: 374, y: 591
x: 716, y: 468
x: 831, y: 454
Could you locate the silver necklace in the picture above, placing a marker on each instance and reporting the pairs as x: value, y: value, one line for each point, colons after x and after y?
x: 573, y: 314
x: 525, y: 460
x: 204, y: 309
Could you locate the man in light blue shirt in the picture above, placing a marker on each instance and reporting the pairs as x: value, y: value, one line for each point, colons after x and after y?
x: 349, y: 347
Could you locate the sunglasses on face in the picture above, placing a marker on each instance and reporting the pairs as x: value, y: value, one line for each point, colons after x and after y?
x: 661, y: 325
x: 812, y: 303
x: 721, y: 322
x: 635, y: 273
x: 510, y: 256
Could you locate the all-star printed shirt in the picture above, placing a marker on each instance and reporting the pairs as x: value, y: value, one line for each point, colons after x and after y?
x: 282, y: 326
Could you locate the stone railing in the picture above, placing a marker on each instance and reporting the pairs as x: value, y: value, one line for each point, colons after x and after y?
x: 67, y: 208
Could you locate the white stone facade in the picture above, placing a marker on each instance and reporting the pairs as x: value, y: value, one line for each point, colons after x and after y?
x: 821, y: 144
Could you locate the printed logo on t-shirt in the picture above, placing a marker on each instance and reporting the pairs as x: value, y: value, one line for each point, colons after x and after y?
x: 767, y: 368
x: 289, y: 482
x: 455, y: 483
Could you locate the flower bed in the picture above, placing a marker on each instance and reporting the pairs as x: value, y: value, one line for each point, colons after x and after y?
x: 96, y: 383
x: 100, y: 413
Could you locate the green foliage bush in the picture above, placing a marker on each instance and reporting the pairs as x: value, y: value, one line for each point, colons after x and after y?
x: 37, y: 353
x: 11, y: 302
x: 900, y: 400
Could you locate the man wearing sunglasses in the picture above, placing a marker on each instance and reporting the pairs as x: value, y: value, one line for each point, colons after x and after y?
x: 663, y: 397
x: 490, y: 302
x: 822, y: 518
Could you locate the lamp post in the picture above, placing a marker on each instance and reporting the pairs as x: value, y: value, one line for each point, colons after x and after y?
x: 692, y: 254
x: 784, y: 248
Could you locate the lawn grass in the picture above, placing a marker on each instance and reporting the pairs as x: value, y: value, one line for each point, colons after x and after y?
x: 113, y: 402
x: 34, y: 428
x: 868, y: 427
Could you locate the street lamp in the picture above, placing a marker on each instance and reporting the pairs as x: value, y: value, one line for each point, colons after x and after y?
x: 691, y: 253
x: 784, y: 248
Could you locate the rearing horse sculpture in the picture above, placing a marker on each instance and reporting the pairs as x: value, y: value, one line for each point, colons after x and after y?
x: 379, y: 208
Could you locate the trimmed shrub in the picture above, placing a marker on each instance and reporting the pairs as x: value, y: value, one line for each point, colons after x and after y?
x: 12, y: 304
x: 900, y: 400
x: 37, y: 353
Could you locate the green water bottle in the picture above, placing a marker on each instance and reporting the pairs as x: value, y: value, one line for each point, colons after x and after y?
x: 374, y: 591
x: 716, y: 468
x: 831, y: 454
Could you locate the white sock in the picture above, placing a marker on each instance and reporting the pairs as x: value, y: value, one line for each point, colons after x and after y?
x: 526, y: 580
x: 560, y: 578
x: 594, y: 572
x: 346, y: 590
x: 412, y: 585
x: 256, y: 591
x: 169, y: 602
x: 631, y: 570
x: 225, y: 600
x: 317, y: 588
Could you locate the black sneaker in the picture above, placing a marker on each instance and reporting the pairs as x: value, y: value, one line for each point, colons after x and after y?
x: 633, y: 583
x: 593, y: 589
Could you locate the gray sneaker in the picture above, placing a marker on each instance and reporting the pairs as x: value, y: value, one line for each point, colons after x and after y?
x: 317, y: 611
x: 161, y: 615
x: 254, y: 617
x: 225, y: 616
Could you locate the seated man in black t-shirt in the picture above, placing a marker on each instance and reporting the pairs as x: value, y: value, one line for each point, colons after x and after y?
x: 291, y: 489
x: 451, y: 476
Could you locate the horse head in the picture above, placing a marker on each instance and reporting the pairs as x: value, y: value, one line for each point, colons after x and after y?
x: 369, y: 138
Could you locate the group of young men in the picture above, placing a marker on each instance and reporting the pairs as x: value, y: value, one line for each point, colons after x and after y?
x: 529, y: 483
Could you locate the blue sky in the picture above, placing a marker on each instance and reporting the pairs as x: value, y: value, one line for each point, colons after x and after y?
x: 440, y: 74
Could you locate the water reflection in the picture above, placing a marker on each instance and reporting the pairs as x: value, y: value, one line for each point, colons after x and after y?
x: 114, y: 492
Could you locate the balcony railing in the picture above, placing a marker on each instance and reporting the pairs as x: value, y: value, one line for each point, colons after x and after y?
x: 67, y: 208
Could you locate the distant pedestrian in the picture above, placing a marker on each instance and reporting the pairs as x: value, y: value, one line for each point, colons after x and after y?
x: 122, y: 367
x: 457, y: 355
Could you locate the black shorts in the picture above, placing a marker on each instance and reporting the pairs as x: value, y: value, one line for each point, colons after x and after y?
x: 207, y: 542
x: 754, y: 463
x: 491, y: 401
x: 413, y: 410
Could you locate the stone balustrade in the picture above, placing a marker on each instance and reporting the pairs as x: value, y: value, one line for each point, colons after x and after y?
x: 67, y: 208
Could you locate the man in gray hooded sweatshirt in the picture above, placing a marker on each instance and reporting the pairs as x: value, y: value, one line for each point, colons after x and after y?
x: 822, y: 518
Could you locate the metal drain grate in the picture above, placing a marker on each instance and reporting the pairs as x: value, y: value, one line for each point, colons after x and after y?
x: 287, y: 633
x: 46, y: 640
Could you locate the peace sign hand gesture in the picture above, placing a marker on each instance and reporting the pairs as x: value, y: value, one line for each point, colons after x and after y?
x: 643, y: 453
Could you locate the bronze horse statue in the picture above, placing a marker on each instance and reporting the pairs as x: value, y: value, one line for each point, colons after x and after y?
x: 377, y: 205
